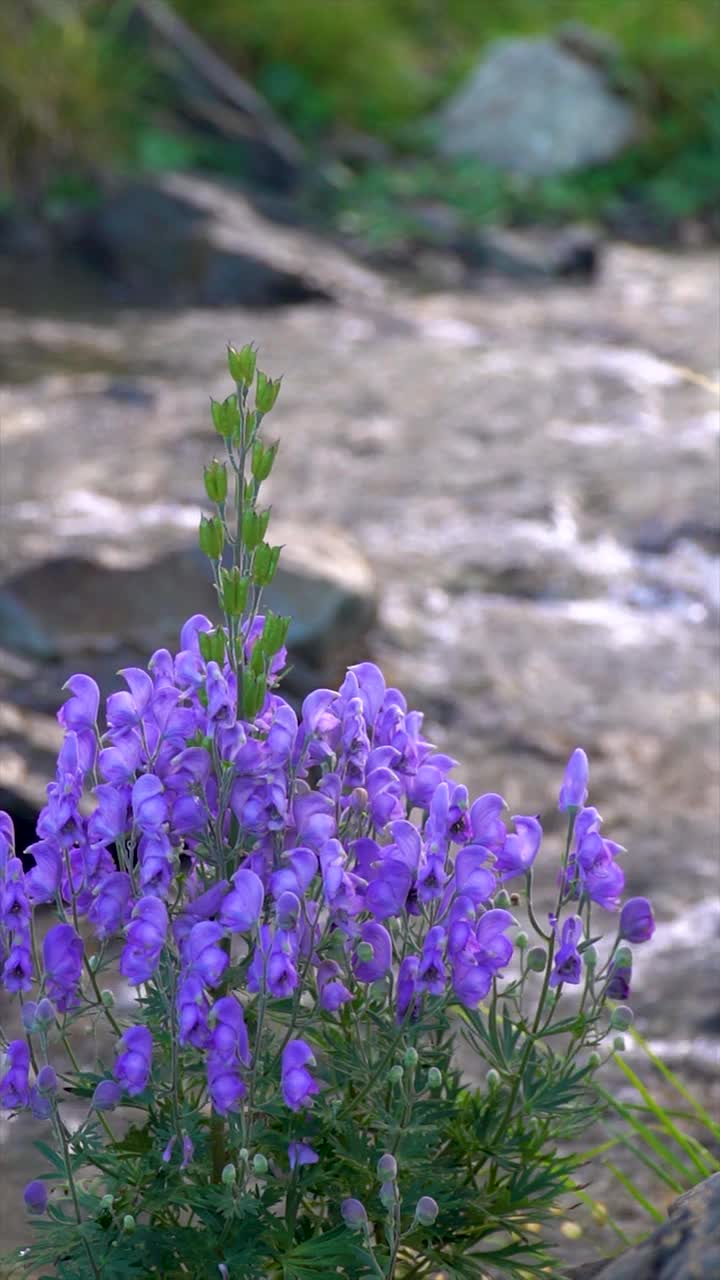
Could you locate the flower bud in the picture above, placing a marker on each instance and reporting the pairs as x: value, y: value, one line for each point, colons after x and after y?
x: 265, y: 562
x: 594, y: 1060
x: 353, y: 1214
x: 260, y: 1164
x: 492, y: 1079
x: 395, y: 1074
x: 106, y: 1096
x: 411, y: 1057
x: 388, y: 1195
x: 226, y: 416
x: 233, y: 591
x: 47, y: 1080
x: 35, y: 1196
x: 619, y: 1044
x: 45, y: 1013
x: 426, y: 1211
x: 243, y: 1155
x: 521, y: 940
x: 93, y: 963
x: 365, y: 952
x: 536, y: 959
x: 623, y: 958
x: 266, y: 392
x: 216, y: 481
x: 28, y: 1015
x: 107, y: 998
x: 502, y: 899
x: 571, y: 1230
x: 387, y: 1167
x: 107, y: 1201
x: 211, y: 536
x: 590, y: 956
x: 434, y: 1078
x: 229, y: 1175
x: 621, y: 1018
x: 242, y: 364
x: 128, y: 1223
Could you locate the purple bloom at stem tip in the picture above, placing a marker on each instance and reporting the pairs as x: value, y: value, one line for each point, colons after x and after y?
x: 574, y: 789
x: 298, y: 1086
x: 637, y: 923
x: 132, y: 1068
x: 568, y: 962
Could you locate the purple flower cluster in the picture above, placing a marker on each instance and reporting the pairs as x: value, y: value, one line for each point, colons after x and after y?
x: 341, y: 828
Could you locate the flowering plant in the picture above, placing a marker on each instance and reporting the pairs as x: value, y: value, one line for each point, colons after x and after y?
x: 309, y: 914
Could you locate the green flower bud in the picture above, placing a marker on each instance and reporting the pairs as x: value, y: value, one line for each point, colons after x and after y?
x: 395, y: 1074
x: 426, y: 1211
x: 502, y: 899
x: 365, y: 952
x: 387, y: 1168
x: 266, y: 392
x: 265, y: 562
x: 233, y: 591
x: 242, y: 364
x: 216, y: 481
x: 388, y: 1194
x: 128, y: 1223
x: 590, y: 956
x: 225, y: 416
x: 623, y: 958
x: 107, y: 1201
x: 261, y: 463
x: 434, y: 1078
x: 619, y: 1044
x: 244, y: 1155
x: 492, y: 1079
x: 594, y: 1060
x: 260, y: 1164
x: 229, y: 1175
x: 521, y: 940
x: 211, y: 536
x: 274, y: 633
x: 254, y: 690
x: 621, y: 1018
x: 212, y: 645
x: 107, y: 997
x: 536, y: 959
x: 411, y: 1057
x: 93, y: 963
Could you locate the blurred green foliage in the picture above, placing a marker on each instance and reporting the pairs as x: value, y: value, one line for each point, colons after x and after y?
x: 78, y: 96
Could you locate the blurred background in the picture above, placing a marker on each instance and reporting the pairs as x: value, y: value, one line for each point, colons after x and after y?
x: 479, y: 239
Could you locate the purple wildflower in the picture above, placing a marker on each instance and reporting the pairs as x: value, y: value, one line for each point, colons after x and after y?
x: 298, y: 1086
x: 406, y: 986
x: 240, y: 910
x: 300, y: 1153
x: 431, y: 971
x: 206, y: 958
x: 520, y: 849
x: 35, y: 1196
x: 17, y: 970
x: 63, y: 959
x: 376, y: 965
x: 132, y: 1068
x: 107, y: 1095
x: 637, y: 923
x: 574, y: 789
x: 229, y: 1037
x: 568, y: 962
x: 145, y: 940
x: 15, y: 1083
x: 618, y: 987
x: 332, y: 990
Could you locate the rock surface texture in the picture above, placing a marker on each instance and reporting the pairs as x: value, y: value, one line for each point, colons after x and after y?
x: 534, y: 107
x: 686, y: 1247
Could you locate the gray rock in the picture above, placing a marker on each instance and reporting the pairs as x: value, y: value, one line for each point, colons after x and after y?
x: 533, y: 107
x: 686, y: 1247
x: 183, y: 239
x: 91, y: 617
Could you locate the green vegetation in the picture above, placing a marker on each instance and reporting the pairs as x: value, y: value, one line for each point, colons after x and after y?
x: 79, y: 96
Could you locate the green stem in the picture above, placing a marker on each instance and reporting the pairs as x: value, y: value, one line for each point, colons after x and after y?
x: 62, y: 1139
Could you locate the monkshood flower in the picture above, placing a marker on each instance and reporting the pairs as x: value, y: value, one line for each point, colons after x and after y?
x: 15, y: 1083
x: 300, y: 1153
x: 63, y: 960
x: 484, y: 952
x: 331, y: 989
x: 107, y: 1095
x: 17, y: 972
x: 229, y: 1036
x: 132, y: 1068
x: 225, y: 1084
x: 110, y: 909
x: 574, y: 789
x: 298, y: 1086
x: 240, y: 910
x: 372, y: 957
x: 618, y: 987
x: 520, y: 849
x: 568, y: 961
x: 637, y: 923
x: 146, y: 935
x: 35, y: 1196
x: 193, y: 1008
x: 205, y: 958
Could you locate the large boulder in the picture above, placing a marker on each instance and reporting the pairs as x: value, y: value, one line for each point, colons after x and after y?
x: 686, y: 1247
x: 180, y: 238
x: 535, y: 107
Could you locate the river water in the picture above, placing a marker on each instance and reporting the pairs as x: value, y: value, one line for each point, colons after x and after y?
x: 533, y: 476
